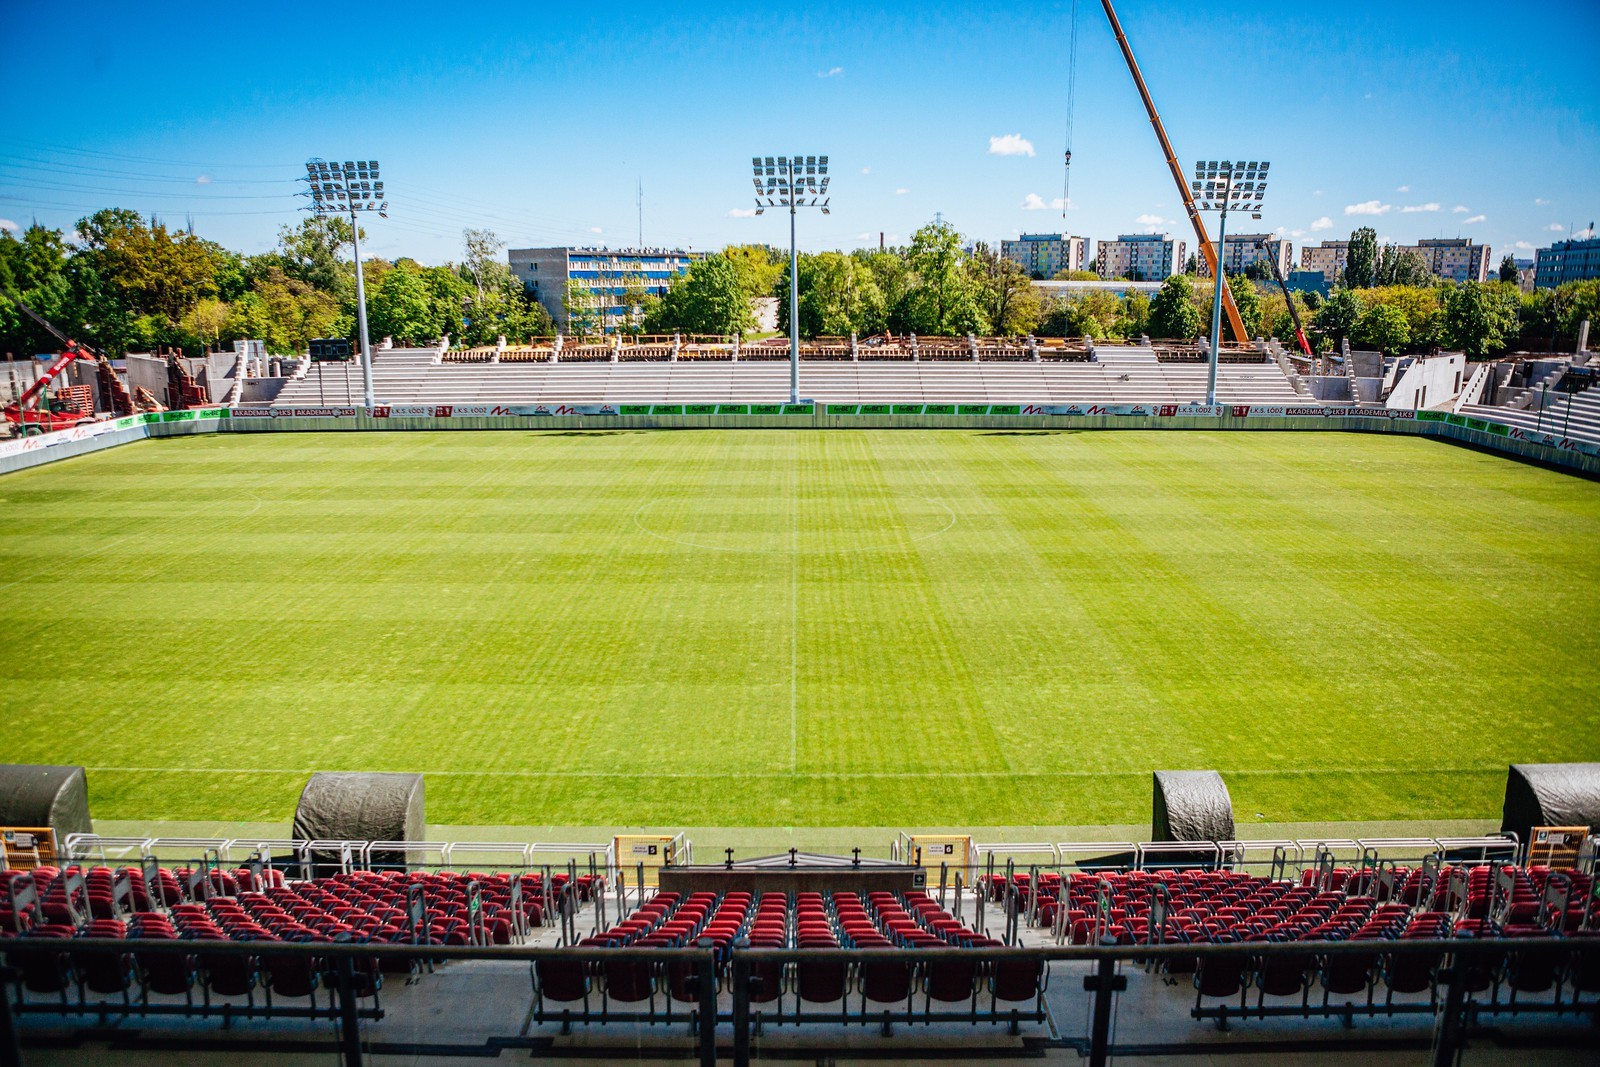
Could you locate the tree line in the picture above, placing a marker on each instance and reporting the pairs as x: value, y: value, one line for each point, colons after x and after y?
x: 125, y: 283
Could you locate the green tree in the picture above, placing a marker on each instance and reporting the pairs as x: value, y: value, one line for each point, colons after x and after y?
x: 1479, y: 318
x: 709, y: 299
x: 1508, y: 268
x: 944, y: 300
x: 1002, y: 289
x: 33, y: 268
x: 1399, y: 266
x: 1133, y: 316
x: 145, y: 272
x: 401, y: 306
x: 1361, y: 261
x: 1383, y: 327
x: 1248, y: 300
x: 1339, y: 314
x: 310, y: 252
x: 758, y: 266
x: 1420, y: 306
x: 204, y: 322
x: 482, y: 256
x: 1076, y: 276
x: 895, y: 279
x: 838, y: 295
x: 1172, y: 309
x: 448, y: 297
x: 1100, y: 314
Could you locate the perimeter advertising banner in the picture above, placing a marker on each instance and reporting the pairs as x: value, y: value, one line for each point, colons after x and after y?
x: 81, y: 432
x: 296, y: 413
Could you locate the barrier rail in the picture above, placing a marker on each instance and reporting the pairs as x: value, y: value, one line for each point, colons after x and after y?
x: 742, y: 978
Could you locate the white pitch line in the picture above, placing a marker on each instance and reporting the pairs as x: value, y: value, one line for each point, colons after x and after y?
x: 794, y: 617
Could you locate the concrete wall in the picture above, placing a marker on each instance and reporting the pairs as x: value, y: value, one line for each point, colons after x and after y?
x: 150, y: 373
x: 1429, y: 383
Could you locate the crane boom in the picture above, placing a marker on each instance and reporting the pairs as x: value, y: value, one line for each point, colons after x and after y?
x: 1294, y: 312
x: 25, y: 410
x: 1206, y: 247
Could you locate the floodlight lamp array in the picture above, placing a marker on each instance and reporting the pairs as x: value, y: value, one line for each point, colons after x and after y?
x: 1229, y: 186
x: 790, y: 181
x: 352, y: 186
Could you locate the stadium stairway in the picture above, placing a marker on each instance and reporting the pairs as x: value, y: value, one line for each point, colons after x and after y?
x: 1580, y: 421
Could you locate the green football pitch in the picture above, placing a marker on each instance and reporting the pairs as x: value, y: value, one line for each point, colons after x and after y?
x: 800, y: 628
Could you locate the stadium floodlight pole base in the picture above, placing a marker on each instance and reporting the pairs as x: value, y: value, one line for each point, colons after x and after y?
x: 1218, y: 280
x: 361, y: 316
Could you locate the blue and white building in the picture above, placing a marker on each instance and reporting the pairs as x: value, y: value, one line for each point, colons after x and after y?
x: 597, y: 284
x: 1567, y: 261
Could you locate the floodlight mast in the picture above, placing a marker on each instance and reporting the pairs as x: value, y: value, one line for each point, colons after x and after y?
x: 1222, y: 187
x: 353, y: 186
x: 793, y: 182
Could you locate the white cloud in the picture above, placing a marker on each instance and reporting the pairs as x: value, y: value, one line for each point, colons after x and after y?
x: 864, y: 236
x: 1540, y: 201
x: 1411, y: 209
x: 204, y: 179
x: 1035, y: 202
x: 7, y: 224
x: 1526, y: 246
x: 1475, y: 218
x: 1297, y: 233
x: 866, y: 170
x: 1460, y: 209
x: 1011, y: 144
x: 901, y: 192
x: 1324, y: 223
x: 1585, y: 233
x: 831, y: 72
x: 1402, y: 189
x: 1148, y: 219
x: 596, y: 229
x: 1316, y: 192
x: 742, y: 213
x: 1555, y: 227
x: 1368, y: 207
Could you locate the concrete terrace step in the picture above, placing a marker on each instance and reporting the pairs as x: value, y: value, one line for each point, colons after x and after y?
x: 1140, y: 379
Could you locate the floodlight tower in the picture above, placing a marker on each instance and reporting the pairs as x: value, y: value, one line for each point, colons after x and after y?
x: 793, y: 182
x: 1225, y: 187
x: 352, y: 186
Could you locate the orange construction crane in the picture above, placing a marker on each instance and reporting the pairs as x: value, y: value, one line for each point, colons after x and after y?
x: 1206, y: 247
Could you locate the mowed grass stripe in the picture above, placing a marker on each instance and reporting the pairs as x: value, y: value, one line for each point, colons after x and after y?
x: 992, y: 629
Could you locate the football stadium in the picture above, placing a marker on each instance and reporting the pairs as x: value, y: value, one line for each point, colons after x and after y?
x: 846, y: 731
x: 885, y: 649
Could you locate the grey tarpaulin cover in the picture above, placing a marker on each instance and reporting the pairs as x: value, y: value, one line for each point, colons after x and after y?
x: 1191, y: 806
x: 1551, y: 794
x: 57, y: 797
x: 361, y: 806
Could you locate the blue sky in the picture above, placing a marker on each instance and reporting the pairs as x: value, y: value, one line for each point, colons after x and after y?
x: 538, y: 121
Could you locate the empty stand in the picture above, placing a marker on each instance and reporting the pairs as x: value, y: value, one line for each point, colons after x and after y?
x: 1122, y: 375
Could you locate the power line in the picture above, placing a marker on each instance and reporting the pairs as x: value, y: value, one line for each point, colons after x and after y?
x: 42, y: 146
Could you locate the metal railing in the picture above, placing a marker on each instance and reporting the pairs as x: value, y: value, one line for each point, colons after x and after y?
x: 738, y: 977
